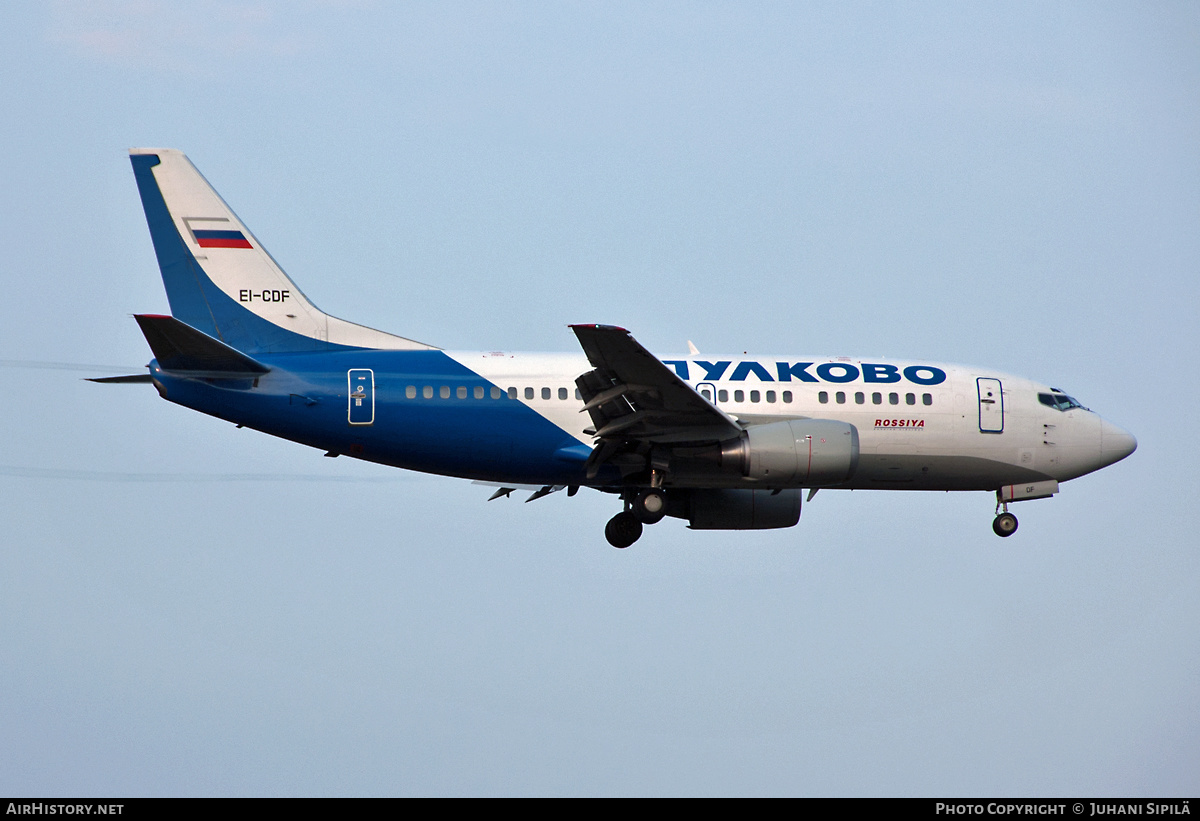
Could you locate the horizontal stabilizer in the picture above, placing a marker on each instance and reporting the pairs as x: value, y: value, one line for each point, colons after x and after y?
x: 180, y: 347
x: 122, y: 380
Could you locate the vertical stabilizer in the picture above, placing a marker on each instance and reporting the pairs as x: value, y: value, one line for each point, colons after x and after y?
x: 219, y: 278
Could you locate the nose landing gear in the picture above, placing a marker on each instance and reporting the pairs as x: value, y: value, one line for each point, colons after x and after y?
x: 1005, y: 524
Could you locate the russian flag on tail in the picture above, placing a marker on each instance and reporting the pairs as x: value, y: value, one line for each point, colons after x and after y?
x: 207, y: 238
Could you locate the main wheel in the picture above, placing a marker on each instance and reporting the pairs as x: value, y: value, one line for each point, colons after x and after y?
x: 623, y: 530
x: 1005, y: 524
x: 650, y: 506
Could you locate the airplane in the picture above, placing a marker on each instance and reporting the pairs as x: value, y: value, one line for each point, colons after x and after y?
x: 724, y: 442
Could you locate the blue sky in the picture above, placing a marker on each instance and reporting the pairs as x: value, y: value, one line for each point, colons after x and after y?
x: 187, y: 608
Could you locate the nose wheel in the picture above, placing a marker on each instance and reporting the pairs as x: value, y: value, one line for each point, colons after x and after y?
x: 1005, y: 524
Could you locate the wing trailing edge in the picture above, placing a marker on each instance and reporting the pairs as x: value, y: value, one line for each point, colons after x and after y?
x: 630, y: 394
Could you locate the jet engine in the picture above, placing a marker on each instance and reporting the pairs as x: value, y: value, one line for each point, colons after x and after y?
x: 793, y: 453
x: 734, y: 509
x: 805, y: 452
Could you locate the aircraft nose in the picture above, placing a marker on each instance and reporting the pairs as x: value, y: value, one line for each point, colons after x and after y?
x: 1115, y: 442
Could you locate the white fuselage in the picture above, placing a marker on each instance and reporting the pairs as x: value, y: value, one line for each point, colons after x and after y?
x: 950, y: 435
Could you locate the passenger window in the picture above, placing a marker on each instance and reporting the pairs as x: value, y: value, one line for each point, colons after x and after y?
x: 427, y: 391
x: 578, y: 397
x: 444, y: 391
x: 529, y: 393
x: 770, y: 396
x: 410, y: 392
x: 495, y: 392
x: 545, y: 393
x: 479, y: 391
x: 706, y: 393
x: 562, y: 393
x: 927, y: 398
x: 910, y: 398
x: 739, y: 396
x: 512, y: 393
x: 787, y: 397
x: 877, y: 399
x: 893, y: 399
x: 860, y: 398
x: 755, y: 396
x: 462, y: 391
x: 841, y: 397
x: 823, y: 397
x: 723, y: 395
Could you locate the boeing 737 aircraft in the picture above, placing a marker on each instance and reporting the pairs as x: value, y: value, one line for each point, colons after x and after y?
x: 725, y: 442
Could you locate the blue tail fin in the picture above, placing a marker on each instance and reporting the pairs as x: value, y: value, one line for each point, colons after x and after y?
x: 219, y: 278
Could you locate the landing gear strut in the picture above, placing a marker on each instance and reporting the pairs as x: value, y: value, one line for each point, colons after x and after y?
x: 1005, y: 524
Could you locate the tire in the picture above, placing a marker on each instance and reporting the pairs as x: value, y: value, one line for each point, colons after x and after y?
x: 650, y: 506
x: 623, y: 530
x: 1005, y: 525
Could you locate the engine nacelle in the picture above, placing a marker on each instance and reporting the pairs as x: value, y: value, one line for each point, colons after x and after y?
x: 731, y: 509
x: 804, y: 452
x: 792, y: 453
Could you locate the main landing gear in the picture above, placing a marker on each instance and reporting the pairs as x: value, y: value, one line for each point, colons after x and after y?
x: 645, y: 508
x: 1005, y: 524
x: 623, y: 530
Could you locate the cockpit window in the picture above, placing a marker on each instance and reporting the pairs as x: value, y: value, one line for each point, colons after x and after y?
x: 1059, y: 401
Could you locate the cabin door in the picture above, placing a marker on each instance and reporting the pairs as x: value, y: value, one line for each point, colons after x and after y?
x: 991, y: 405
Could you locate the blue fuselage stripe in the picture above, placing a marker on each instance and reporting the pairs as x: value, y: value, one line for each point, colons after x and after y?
x: 305, y: 398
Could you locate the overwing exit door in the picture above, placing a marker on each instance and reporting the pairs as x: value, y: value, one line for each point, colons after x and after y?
x: 362, y: 396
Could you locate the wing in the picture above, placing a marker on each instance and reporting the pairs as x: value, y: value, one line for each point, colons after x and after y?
x: 636, y: 401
